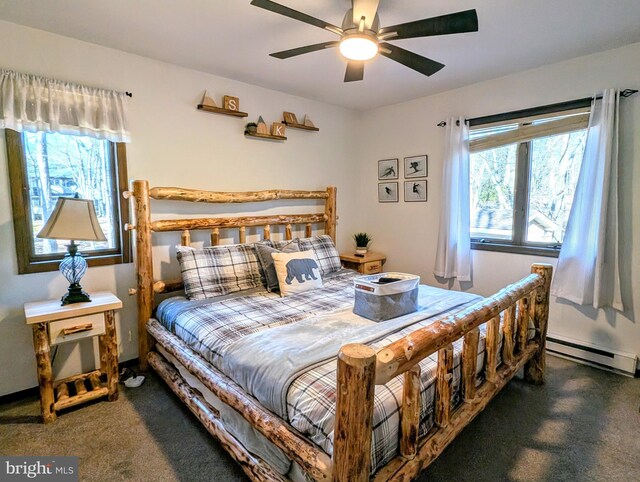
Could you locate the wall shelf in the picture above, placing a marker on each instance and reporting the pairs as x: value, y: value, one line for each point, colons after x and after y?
x: 220, y: 110
x: 301, y: 126
x: 265, y: 136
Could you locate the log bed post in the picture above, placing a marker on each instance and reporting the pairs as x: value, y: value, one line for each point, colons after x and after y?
x: 534, y: 369
x: 330, y: 212
x: 354, y: 413
x: 144, y: 268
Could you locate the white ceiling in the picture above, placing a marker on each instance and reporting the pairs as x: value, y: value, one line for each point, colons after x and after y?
x: 232, y: 39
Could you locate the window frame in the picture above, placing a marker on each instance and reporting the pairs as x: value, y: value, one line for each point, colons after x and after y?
x: 519, y: 245
x: 21, y: 204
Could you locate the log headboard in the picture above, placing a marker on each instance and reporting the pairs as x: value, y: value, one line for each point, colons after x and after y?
x: 148, y: 286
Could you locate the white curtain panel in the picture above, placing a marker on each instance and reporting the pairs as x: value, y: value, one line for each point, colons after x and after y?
x: 31, y: 103
x: 588, y: 271
x: 453, y: 258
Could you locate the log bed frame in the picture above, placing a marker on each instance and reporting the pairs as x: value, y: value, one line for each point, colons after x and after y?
x: 360, y: 368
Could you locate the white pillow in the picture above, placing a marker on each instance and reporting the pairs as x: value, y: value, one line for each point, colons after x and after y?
x: 297, y: 272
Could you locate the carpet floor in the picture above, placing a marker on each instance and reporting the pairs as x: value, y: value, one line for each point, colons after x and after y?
x: 582, y: 425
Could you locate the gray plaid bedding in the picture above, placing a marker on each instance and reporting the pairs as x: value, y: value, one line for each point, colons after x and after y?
x: 208, y: 325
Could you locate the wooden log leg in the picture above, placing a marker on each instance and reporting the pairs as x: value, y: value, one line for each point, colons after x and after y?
x: 534, y: 369
x: 410, y: 413
x: 45, y: 373
x: 443, y: 386
x: 470, y: 363
x: 109, y: 354
x: 354, y: 413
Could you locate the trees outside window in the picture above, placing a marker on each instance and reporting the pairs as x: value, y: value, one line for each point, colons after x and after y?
x: 523, y: 175
x: 47, y: 166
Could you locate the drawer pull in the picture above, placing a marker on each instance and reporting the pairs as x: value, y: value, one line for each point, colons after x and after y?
x: 77, y: 329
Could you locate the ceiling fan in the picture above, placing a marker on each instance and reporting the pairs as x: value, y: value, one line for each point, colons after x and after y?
x: 362, y: 38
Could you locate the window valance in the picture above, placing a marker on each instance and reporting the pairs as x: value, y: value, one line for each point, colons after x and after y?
x: 32, y: 103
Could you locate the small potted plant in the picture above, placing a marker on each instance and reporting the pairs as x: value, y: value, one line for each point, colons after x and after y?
x: 363, y: 240
x: 251, y: 128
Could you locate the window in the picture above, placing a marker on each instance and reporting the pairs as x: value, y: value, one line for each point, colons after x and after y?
x: 523, y: 173
x: 45, y: 166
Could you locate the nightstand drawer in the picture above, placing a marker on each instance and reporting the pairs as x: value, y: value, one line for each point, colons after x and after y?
x: 372, y: 267
x: 76, y: 328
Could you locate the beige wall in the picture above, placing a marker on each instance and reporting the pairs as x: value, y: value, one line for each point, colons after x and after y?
x: 408, y: 231
x: 173, y: 144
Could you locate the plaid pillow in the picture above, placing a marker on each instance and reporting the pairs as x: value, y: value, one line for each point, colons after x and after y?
x: 219, y: 270
x: 285, y: 244
x: 264, y: 252
x: 325, y: 251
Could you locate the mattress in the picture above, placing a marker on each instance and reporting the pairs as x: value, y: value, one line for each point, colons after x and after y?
x: 207, y: 326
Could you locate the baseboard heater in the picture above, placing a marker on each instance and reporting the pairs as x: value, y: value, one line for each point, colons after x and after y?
x: 599, y: 357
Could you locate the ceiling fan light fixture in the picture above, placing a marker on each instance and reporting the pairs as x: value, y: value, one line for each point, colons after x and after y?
x: 358, y: 47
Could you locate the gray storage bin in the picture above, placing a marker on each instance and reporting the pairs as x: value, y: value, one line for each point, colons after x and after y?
x: 384, y: 301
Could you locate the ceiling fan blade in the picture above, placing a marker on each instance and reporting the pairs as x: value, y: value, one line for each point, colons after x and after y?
x: 291, y: 13
x: 285, y: 54
x: 366, y: 9
x: 460, y: 22
x: 409, y: 59
x: 355, y: 71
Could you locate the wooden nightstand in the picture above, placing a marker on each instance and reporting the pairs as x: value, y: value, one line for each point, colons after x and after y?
x: 53, y: 324
x: 370, y: 263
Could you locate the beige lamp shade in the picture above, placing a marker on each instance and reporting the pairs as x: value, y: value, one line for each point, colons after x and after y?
x: 73, y: 219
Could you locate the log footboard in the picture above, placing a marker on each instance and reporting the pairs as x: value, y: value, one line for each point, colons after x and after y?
x: 530, y: 295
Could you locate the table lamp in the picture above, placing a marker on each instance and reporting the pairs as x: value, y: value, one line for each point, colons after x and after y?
x: 74, y: 219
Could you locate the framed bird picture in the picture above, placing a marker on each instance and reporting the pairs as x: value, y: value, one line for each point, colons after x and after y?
x: 415, y: 191
x: 388, y: 169
x: 388, y: 192
x: 415, y: 166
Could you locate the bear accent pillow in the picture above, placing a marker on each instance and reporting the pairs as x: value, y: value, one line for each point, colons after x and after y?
x: 264, y: 253
x: 297, y: 272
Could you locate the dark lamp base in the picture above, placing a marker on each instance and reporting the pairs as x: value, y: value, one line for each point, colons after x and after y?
x: 75, y: 295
